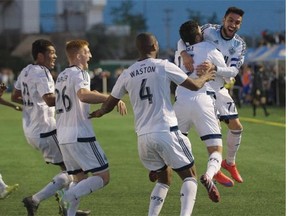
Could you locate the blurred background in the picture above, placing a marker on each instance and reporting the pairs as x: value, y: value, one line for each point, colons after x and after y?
x: 110, y: 26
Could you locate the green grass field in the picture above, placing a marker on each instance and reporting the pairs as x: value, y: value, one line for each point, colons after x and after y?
x: 261, y: 161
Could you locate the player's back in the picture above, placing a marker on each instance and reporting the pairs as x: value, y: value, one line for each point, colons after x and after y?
x: 35, y: 81
x: 72, y: 114
x: 200, y: 52
x: 148, y: 85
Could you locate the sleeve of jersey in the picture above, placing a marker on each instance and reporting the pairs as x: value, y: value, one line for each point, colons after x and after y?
x: 81, y: 80
x: 174, y: 73
x: 119, y: 89
x: 216, y: 58
x: 181, y: 46
x: 42, y: 83
x: 17, y: 84
x: 236, y: 61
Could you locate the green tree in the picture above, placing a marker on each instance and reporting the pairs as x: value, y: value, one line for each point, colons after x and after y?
x: 196, y: 15
x: 213, y: 19
x: 123, y: 15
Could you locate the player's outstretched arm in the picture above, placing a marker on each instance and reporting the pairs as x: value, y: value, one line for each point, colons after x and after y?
x: 196, y: 84
x: 7, y: 103
x: 91, y: 97
x: 106, y: 107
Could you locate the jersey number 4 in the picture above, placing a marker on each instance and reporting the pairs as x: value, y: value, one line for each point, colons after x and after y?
x: 145, y: 92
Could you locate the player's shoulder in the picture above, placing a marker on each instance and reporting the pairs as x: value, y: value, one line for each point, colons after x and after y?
x: 210, y: 27
x: 239, y: 40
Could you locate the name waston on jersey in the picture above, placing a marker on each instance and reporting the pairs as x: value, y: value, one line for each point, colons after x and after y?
x: 142, y: 70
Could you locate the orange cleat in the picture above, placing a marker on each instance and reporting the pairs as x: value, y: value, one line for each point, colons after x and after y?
x: 232, y: 169
x: 212, y: 190
x: 224, y: 180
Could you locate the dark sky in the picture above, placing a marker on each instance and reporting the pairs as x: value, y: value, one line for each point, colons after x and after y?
x: 259, y: 15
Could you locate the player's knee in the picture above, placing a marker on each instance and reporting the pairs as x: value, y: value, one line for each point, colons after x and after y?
x: 62, y: 179
x: 105, y: 177
x: 235, y: 124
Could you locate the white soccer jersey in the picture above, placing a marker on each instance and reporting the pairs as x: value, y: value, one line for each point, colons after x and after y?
x: 233, y: 49
x: 203, y: 51
x: 147, y: 82
x: 35, y: 81
x: 72, y: 120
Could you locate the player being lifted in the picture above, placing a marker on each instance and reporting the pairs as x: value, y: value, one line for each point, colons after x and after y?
x: 233, y: 48
x: 197, y: 108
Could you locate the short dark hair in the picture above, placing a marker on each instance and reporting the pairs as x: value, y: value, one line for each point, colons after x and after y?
x: 40, y: 46
x: 145, y: 42
x: 235, y: 10
x: 188, y: 31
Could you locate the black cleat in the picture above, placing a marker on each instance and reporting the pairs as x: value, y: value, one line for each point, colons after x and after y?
x: 30, y: 205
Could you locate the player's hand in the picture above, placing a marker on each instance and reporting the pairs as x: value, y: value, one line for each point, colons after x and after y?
x: 204, y: 67
x: 96, y: 114
x: 3, y: 88
x: 209, y: 75
x: 121, y: 108
x: 187, y: 61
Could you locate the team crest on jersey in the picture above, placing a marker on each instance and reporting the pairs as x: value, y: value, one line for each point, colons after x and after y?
x: 236, y: 43
x: 232, y: 51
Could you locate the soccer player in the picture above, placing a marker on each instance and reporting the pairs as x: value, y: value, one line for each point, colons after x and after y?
x: 82, y: 154
x: 160, y: 143
x: 34, y: 89
x: 6, y: 190
x: 233, y: 49
x: 197, y: 108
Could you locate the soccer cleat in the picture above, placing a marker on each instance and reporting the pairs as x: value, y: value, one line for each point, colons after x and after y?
x: 30, y: 205
x: 213, y: 192
x: 63, y: 206
x: 8, y: 190
x: 232, y: 169
x: 153, y: 176
x: 224, y: 180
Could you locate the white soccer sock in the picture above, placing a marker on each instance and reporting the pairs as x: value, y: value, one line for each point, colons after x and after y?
x: 2, y: 183
x: 233, y: 144
x: 214, y: 164
x: 157, y: 198
x: 83, y: 187
x: 188, y: 196
x: 59, y: 181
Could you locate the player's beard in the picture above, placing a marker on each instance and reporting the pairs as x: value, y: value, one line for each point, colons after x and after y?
x: 228, y: 34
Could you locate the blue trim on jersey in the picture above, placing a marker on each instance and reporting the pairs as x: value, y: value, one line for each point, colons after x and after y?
x: 97, y: 154
x: 184, y: 167
x: 174, y: 128
x: 223, y: 118
x: 86, y: 139
x: 44, y: 135
x: 97, y: 169
x: 235, y: 59
x: 233, y: 65
x: 184, y: 147
x: 211, y: 136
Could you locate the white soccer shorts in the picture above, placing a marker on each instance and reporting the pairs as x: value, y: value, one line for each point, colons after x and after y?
x: 84, y: 156
x: 225, y: 105
x: 199, y: 111
x: 165, y: 148
x: 49, y: 148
